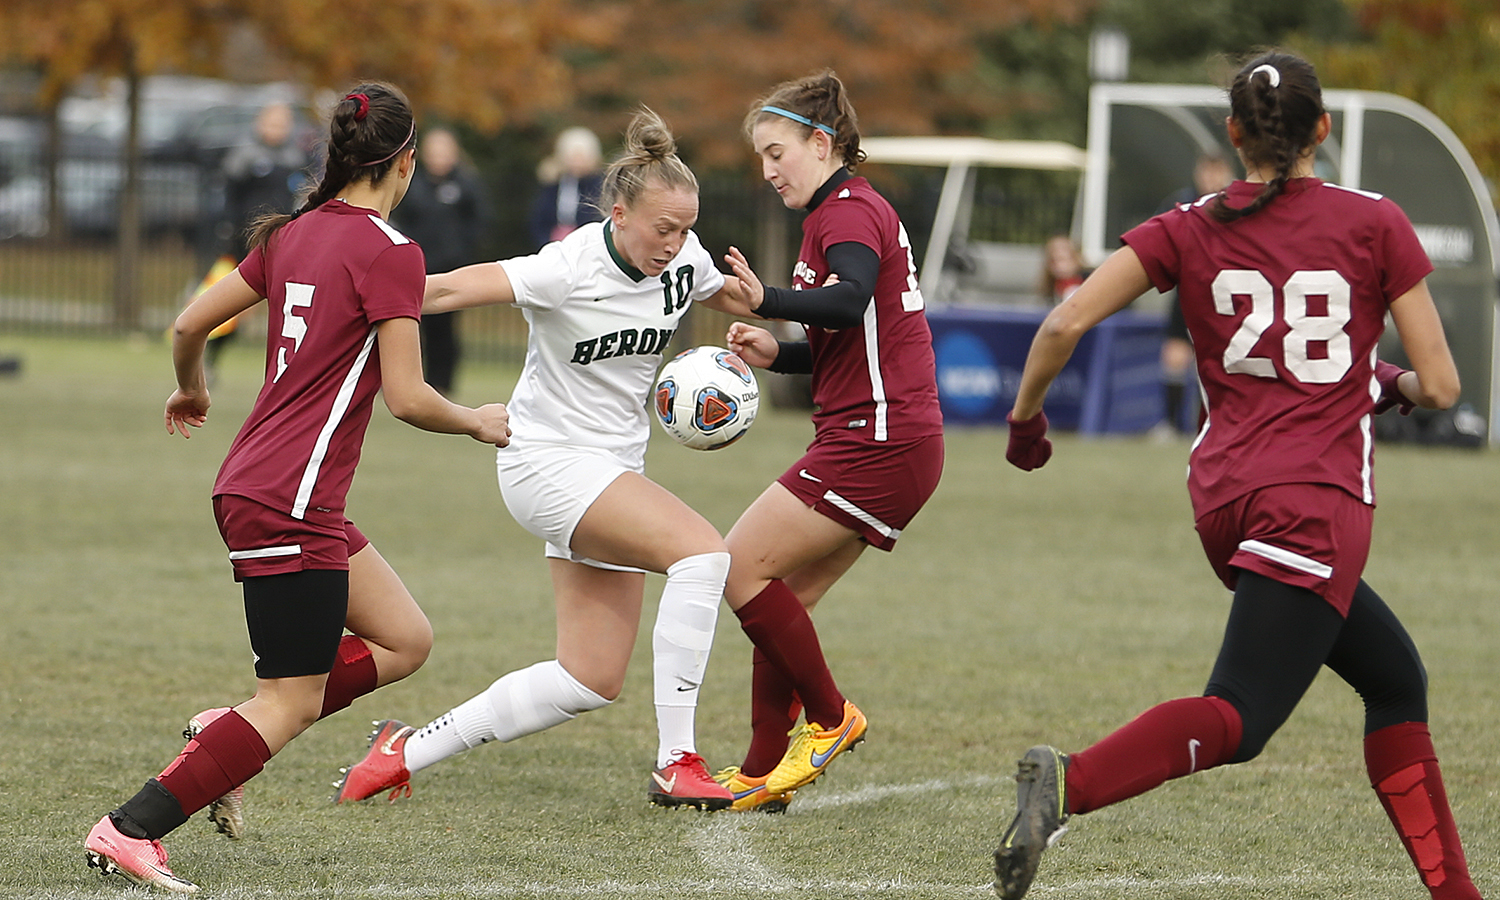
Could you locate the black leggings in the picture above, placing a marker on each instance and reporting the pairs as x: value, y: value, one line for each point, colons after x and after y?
x: 296, y: 620
x: 1279, y: 636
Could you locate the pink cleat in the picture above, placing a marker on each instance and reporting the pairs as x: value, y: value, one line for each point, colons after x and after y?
x: 140, y: 860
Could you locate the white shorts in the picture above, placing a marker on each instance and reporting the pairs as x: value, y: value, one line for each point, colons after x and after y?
x: 548, y: 488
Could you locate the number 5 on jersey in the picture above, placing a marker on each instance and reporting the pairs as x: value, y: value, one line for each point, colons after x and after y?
x: 292, y: 325
x: 1304, y: 327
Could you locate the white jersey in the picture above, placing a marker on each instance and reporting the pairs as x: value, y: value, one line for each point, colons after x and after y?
x: 599, y: 327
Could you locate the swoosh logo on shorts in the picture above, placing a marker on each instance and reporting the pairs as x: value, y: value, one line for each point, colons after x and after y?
x: 818, y: 759
x: 804, y: 474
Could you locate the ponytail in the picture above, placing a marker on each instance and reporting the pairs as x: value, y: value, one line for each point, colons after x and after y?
x: 1277, y: 101
x: 650, y: 155
x: 367, y: 131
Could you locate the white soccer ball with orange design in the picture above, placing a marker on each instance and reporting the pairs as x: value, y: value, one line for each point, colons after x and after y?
x: 706, y: 397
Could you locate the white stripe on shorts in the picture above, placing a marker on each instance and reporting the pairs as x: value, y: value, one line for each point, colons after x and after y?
x: 861, y: 515
x: 1288, y: 558
x: 267, y: 552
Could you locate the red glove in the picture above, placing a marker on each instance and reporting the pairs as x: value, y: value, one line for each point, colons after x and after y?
x: 1390, y: 395
x: 1029, y: 448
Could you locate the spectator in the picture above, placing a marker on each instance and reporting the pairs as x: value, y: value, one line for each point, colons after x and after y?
x: 1211, y: 174
x: 263, y: 174
x: 570, y: 180
x: 1062, y: 269
x: 446, y: 213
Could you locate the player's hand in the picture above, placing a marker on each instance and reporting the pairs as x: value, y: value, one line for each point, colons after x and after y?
x: 753, y: 291
x: 494, y: 424
x: 1390, y: 393
x: 1029, y: 448
x: 754, y: 344
x: 184, y: 409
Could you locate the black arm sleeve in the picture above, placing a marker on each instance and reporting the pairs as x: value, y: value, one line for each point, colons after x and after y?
x: 838, y: 306
x: 794, y: 358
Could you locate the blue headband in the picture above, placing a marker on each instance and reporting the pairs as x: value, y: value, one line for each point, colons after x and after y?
x: 803, y: 119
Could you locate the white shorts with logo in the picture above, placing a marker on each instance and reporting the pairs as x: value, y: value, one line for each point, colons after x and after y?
x: 548, y: 487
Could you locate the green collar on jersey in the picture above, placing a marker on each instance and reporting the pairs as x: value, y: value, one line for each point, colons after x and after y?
x: 609, y: 243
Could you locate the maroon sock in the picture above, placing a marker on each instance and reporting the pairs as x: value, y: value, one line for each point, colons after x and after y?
x: 778, y: 624
x: 353, y: 676
x: 223, y: 756
x: 1167, y: 741
x: 774, y: 708
x: 1404, y: 771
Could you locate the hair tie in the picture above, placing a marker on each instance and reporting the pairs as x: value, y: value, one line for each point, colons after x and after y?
x: 786, y: 113
x: 1272, y: 75
x: 364, y: 106
x: 399, y: 147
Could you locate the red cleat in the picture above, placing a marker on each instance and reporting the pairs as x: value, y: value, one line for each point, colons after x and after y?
x: 382, y: 769
x: 685, y: 782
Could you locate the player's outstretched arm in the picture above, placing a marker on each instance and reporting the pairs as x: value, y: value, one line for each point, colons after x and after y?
x: 1434, y: 383
x: 415, y: 402
x: 227, y: 298
x: 732, y: 298
x: 1108, y: 290
x: 482, y: 284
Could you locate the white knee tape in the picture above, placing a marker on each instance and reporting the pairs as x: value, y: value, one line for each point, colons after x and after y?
x: 536, y: 698
x: 690, y: 601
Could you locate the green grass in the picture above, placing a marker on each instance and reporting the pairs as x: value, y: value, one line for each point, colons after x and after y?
x: 1017, y: 609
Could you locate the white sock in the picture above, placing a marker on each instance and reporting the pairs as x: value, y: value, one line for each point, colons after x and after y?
x: 518, y: 703
x: 680, y: 643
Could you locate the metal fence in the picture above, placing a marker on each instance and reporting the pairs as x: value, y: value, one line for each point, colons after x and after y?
x: 69, y: 285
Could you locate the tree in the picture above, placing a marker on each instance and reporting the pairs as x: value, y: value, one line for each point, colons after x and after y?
x: 129, y: 38
x: 1444, y: 54
x: 476, y: 61
x: 485, y: 63
x: 911, y: 68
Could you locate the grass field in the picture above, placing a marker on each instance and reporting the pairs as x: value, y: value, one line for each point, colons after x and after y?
x: 1017, y: 609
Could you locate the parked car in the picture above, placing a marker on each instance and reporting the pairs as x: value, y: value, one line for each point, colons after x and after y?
x: 91, y: 189
x: 187, y: 126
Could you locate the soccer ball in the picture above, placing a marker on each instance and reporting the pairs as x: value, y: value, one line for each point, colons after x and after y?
x: 706, y: 398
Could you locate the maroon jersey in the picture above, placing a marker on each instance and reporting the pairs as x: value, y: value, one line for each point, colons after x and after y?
x: 1285, y: 308
x: 877, y: 379
x: 329, y: 276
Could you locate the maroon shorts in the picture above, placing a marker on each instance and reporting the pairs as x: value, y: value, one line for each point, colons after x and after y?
x: 1313, y: 536
x: 872, y: 488
x: 265, y: 541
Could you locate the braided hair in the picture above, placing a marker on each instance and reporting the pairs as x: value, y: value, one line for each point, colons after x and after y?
x: 819, y: 98
x: 650, y: 154
x: 1277, y: 102
x: 369, y: 128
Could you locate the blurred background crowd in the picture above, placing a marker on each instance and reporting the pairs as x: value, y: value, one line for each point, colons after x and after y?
x: 135, y: 138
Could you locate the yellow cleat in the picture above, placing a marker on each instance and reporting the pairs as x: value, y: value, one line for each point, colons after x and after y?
x: 750, y: 792
x: 813, y: 749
